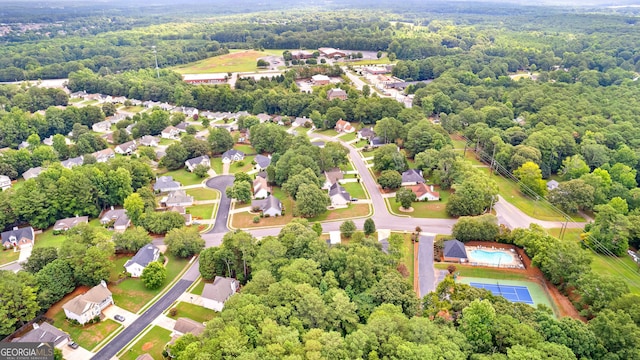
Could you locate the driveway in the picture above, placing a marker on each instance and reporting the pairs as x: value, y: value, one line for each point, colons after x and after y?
x: 220, y: 183
x: 122, y: 339
x: 426, y: 270
x: 114, y: 310
x: 76, y: 354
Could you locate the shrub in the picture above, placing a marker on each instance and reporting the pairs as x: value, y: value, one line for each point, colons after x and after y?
x: 173, y: 312
x: 256, y: 219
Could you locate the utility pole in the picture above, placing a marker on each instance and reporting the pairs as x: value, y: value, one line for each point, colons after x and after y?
x: 492, y: 159
x: 155, y: 53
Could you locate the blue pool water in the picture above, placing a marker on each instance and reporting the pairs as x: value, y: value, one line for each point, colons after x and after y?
x: 490, y: 257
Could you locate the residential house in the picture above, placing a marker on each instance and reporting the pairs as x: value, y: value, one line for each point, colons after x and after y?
x: 117, y: 217
x: 118, y: 99
x: 383, y: 240
x: 189, y: 111
x: 116, y: 118
x: 177, y: 198
x: 320, y: 79
x: 182, y: 126
x: 332, y: 176
x: 44, y: 333
x: 149, y: 140
x: 48, y: 141
x: 339, y: 196
x: 454, y: 251
x: 263, y: 117
x: 200, y: 160
x: 87, y: 306
x: 552, y: 184
x: 188, y: 220
x: 102, y: 98
x: 366, y: 133
x: 232, y: 155
x: 135, y: 102
x: 207, y: 114
x: 271, y: 206
x: 318, y: 143
x: 412, y: 177
x: 68, y: 223
x: 301, y: 121
x: 18, y: 237
x: 215, y: 295
x: 331, y: 52
x: 336, y: 94
x: 170, y: 132
x: 166, y: 106
x: 32, y: 173
x: 147, y: 254
x: 5, y: 182
x: 150, y: 104
x: 102, y: 126
x: 376, y: 142
x: 188, y: 326
x: 127, y: 148
x: 160, y: 154
x: 108, y: 137
x: 78, y: 94
x: 129, y: 129
x: 334, y: 238
x: 262, y: 162
x: 425, y: 192
x: 76, y: 161
x: 104, y: 155
x: 166, y: 184
x: 344, y: 126
x: 260, y: 188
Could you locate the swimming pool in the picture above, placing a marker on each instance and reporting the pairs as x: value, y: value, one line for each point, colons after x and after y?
x: 491, y: 257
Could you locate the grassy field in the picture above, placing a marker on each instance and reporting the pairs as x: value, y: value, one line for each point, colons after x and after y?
x: 48, y: 239
x: 328, y: 132
x: 151, y: 343
x: 407, y: 255
x: 197, y: 290
x: 360, y: 144
x: 354, y: 210
x: 204, y: 211
x: 167, y: 142
x: 355, y: 190
x: 235, y: 61
x: 623, y: 268
x: 193, y: 312
x: 569, y: 234
x: 348, y: 137
x: 203, y: 194
x: 347, y: 167
x: 216, y: 165
x: 184, y: 177
x: 132, y: 295
x: 425, y: 209
x: 482, y: 272
x: 235, y: 167
x: 8, y: 255
x: 87, y: 336
x: 246, y: 149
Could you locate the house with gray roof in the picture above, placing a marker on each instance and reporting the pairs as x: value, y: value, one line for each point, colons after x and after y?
x: 182, y: 126
x: 232, y: 155
x: 270, y: 206
x: 147, y: 254
x: 87, y: 306
x: 149, y: 140
x: 5, y: 182
x: 200, y: 160
x: 263, y: 117
x: 68, y: 223
x: 44, y: 332
x: 454, y: 251
x: 76, y: 161
x: 339, y: 196
x: 23, y: 145
x: 165, y: 184
x: 127, y: 148
x: 366, y: 133
x: 376, y: 142
x: 552, y: 184
x: 170, y: 132
x: 18, y: 237
x: 102, y: 126
x: 32, y: 173
x: 177, y: 198
x: 301, y: 121
x: 412, y: 177
x: 117, y: 217
x: 104, y: 155
x: 262, y: 162
x: 216, y: 294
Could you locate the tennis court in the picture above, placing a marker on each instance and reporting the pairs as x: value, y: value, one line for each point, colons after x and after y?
x: 510, y: 292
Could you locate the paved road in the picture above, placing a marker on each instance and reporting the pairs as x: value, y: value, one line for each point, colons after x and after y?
x: 513, y: 217
x: 120, y: 341
x: 221, y: 183
x: 426, y: 270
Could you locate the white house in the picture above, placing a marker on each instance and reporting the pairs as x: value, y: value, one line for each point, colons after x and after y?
x: 271, y: 206
x: 170, y: 132
x: 149, y: 140
x: 262, y: 162
x: 177, y: 198
x: 334, y: 238
x: 260, y: 188
x: 5, y: 182
x: 102, y: 126
x: 118, y: 217
x: 87, y: 306
x: 147, y: 254
x: 126, y: 148
x: 339, y: 196
x: 232, y: 155
x: 215, y: 295
x: 44, y: 333
x: 104, y: 155
x: 552, y: 184
x: 32, y: 173
x: 200, y: 160
x: 425, y: 192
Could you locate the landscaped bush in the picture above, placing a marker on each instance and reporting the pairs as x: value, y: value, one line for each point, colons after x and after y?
x: 256, y: 219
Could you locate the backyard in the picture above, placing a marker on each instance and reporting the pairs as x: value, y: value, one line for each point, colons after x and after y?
x: 183, y: 177
x: 193, y: 312
x: 132, y: 295
x: 201, y: 194
x: 151, y: 343
x: 242, y: 166
x: 355, y: 189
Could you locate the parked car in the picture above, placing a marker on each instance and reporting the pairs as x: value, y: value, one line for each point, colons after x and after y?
x: 119, y: 317
x: 73, y: 345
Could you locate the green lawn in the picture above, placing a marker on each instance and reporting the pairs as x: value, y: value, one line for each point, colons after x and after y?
x: 354, y: 210
x: 360, y: 144
x: 407, y: 255
x: 133, y: 109
x: 48, y: 239
x: 216, y: 165
x: 90, y: 102
x: 197, y: 290
x: 482, y: 272
x: 328, y: 132
x: 569, y: 234
x: 510, y: 191
x: 193, y: 312
x: 246, y: 149
x: 348, y: 137
x: 164, y: 141
x: 151, y: 343
x: 347, y: 167
x: 204, y: 211
x: 458, y: 144
x: 381, y: 61
x: 184, y: 177
x: 88, y: 336
x: 203, y: 194
x: 355, y: 190
x: 247, y: 166
x: 235, y: 61
x: 8, y: 255
x: 132, y: 295
x: 118, y: 267
x: 623, y: 268
x: 75, y: 100
x: 425, y: 209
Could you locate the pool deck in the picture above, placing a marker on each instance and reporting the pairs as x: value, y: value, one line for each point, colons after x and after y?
x: 515, y: 263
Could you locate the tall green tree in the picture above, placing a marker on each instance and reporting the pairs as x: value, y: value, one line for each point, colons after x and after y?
x: 311, y: 201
